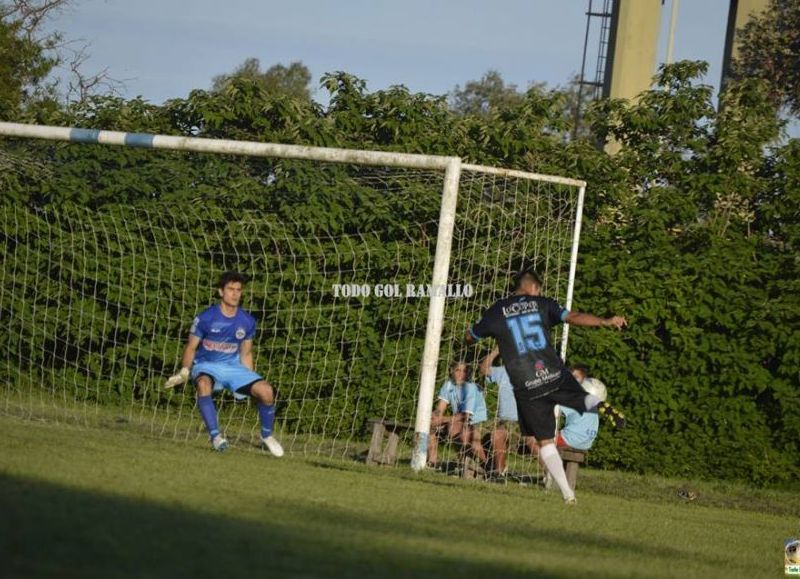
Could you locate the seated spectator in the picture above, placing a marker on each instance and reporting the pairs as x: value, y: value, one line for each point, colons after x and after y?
x: 468, y: 408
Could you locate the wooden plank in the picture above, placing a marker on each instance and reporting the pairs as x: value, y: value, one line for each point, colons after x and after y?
x: 572, y: 474
x: 572, y: 455
x: 390, y: 454
x: 374, y: 454
x: 398, y: 426
x: 391, y: 425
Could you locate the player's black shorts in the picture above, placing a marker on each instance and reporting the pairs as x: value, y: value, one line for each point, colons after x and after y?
x: 537, y: 415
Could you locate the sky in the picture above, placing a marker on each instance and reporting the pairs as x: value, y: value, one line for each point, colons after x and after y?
x: 163, y: 49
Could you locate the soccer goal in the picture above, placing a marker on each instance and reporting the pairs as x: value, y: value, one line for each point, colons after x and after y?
x: 365, y: 270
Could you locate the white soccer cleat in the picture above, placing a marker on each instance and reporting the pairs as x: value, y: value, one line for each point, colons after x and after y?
x: 273, y: 446
x: 571, y: 501
x: 219, y: 444
x: 178, y: 379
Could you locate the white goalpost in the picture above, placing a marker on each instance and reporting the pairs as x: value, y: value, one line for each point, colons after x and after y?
x: 100, y: 300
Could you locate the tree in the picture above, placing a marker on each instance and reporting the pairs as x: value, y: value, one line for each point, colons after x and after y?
x: 293, y: 80
x: 770, y: 50
x: 25, y: 58
x: 690, y: 241
x: 479, y: 97
x: 29, y: 57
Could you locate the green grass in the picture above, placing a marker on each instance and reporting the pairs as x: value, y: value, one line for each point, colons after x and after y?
x: 89, y: 502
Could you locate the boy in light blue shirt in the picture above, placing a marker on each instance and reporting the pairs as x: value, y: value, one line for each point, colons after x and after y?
x: 465, y: 398
x: 468, y: 408
x: 580, y: 430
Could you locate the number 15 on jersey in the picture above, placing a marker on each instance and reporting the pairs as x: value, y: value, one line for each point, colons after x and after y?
x: 528, y: 332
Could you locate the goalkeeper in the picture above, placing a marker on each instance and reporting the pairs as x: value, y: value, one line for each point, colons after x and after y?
x: 521, y: 325
x: 219, y: 356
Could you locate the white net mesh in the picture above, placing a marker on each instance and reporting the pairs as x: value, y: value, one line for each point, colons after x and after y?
x: 97, y: 303
x: 505, y: 224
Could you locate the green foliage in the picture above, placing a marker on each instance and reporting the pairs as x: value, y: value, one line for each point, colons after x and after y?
x: 24, y: 63
x: 769, y: 49
x: 480, y: 97
x: 691, y: 231
x: 687, y: 253
x: 292, y: 80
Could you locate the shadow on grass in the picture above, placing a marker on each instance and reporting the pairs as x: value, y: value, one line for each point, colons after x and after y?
x: 48, y: 530
x: 448, y: 474
x: 544, y: 537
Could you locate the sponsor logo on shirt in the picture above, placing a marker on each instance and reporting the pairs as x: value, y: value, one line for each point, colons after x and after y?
x: 518, y: 308
x: 543, y: 375
x: 222, y: 347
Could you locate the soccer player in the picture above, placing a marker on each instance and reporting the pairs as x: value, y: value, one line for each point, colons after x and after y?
x: 521, y: 325
x: 506, y: 413
x: 468, y: 406
x: 219, y: 356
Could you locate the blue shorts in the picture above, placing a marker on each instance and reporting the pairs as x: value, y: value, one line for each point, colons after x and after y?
x: 230, y: 377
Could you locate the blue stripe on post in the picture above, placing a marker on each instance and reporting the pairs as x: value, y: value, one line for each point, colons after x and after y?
x: 139, y: 140
x: 84, y: 135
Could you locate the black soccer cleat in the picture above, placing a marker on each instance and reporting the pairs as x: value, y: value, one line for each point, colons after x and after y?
x: 614, y: 416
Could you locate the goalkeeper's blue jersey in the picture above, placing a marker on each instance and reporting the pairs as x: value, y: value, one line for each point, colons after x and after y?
x: 221, y: 337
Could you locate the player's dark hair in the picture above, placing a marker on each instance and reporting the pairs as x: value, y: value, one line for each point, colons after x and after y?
x: 524, y: 276
x: 231, y: 277
x: 582, y: 368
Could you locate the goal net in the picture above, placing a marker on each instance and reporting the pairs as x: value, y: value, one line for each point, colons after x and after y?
x: 103, y: 274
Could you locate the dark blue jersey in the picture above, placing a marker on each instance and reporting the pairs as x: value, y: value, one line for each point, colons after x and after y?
x: 521, y: 325
x: 221, y: 337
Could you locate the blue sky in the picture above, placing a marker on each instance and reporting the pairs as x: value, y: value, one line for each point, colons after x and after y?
x: 166, y: 48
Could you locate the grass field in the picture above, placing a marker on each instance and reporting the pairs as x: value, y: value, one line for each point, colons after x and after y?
x: 87, y: 502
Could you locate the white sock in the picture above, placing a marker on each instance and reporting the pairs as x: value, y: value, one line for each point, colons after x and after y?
x: 591, y: 401
x: 555, y: 467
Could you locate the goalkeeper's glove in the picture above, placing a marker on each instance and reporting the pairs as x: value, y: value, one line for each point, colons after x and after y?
x: 178, y: 378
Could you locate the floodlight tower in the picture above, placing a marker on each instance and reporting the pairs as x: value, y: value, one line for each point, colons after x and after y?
x: 628, y: 46
x: 632, y: 48
x: 739, y: 13
x: 627, y: 50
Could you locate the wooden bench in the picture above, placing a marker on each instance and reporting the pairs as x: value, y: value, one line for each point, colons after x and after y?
x: 572, y: 458
x: 389, y: 432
